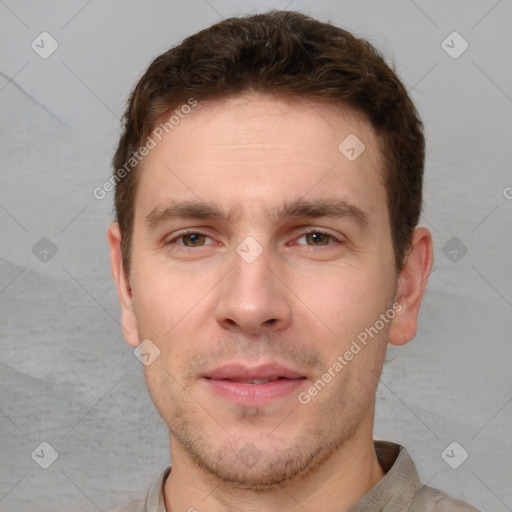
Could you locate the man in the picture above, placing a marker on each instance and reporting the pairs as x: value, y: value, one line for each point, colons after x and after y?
x: 268, y: 188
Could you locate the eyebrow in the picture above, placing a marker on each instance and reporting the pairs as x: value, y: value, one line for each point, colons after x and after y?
x: 331, y: 208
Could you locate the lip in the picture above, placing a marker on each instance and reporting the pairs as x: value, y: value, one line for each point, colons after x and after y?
x: 230, y: 382
x: 246, y: 372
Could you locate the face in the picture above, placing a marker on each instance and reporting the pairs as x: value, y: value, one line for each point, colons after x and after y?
x: 261, y: 257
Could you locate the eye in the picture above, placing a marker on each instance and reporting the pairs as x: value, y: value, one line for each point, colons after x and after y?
x: 190, y: 239
x: 317, y: 238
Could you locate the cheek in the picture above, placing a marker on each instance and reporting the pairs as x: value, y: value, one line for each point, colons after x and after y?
x: 164, y: 299
x: 169, y: 307
x: 342, y: 303
x: 150, y: 308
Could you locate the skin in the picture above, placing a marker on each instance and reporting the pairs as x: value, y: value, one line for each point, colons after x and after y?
x: 203, y: 305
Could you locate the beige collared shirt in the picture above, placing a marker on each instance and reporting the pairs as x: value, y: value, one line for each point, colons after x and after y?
x: 399, y: 491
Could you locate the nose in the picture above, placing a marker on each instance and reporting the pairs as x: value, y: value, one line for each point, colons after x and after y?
x: 253, y: 298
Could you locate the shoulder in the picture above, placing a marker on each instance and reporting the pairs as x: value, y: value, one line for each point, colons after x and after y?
x: 135, y: 505
x: 429, y: 499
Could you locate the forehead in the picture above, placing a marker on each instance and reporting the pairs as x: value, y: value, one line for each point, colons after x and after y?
x: 273, y: 119
x: 263, y: 149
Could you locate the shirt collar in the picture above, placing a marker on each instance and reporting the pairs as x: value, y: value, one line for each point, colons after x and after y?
x: 398, y: 488
x: 155, y: 498
x: 394, y: 492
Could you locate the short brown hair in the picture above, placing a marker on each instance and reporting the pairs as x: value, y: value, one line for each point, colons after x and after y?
x: 287, y: 53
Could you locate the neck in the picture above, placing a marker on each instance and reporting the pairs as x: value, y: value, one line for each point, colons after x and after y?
x: 335, y: 485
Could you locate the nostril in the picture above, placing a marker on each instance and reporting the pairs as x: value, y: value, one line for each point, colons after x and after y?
x: 271, y: 321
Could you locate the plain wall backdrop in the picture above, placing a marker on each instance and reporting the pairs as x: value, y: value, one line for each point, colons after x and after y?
x: 67, y: 378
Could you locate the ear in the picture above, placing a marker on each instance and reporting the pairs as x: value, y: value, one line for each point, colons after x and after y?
x: 412, y: 282
x: 124, y: 291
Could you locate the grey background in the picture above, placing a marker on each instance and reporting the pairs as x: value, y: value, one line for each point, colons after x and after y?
x: 66, y: 375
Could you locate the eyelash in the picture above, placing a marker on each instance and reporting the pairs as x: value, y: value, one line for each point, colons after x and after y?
x: 303, y: 233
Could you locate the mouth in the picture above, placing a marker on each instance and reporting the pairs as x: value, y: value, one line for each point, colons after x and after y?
x: 245, y: 385
x: 258, y: 381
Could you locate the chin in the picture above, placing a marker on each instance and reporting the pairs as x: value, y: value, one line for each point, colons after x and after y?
x: 261, y: 466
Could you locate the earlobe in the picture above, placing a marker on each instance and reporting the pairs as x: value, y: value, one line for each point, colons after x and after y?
x: 412, y: 282
x: 124, y: 290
